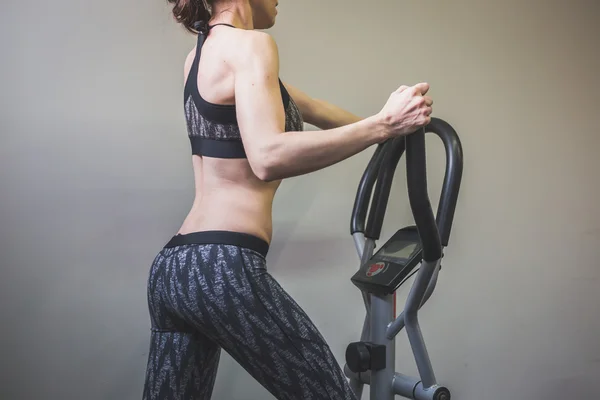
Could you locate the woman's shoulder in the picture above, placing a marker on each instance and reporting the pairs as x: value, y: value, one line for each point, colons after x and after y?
x: 243, y: 48
x: 256, y: 46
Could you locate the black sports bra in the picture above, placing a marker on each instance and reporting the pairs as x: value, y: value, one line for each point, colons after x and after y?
x: 212, y: 128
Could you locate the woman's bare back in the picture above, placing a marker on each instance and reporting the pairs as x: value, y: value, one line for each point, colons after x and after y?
x: 228, y: 195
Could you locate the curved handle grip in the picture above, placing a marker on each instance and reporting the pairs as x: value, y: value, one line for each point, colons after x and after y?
x: 381, y: 196
x: 416, y: 179
x: 365, y: 189
x: 452, y: 177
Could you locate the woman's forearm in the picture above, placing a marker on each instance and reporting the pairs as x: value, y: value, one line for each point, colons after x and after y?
x: 296, y: 153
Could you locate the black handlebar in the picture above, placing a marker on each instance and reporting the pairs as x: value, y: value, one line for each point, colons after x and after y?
x: 391, y: 157
x: 416, y: 180
x: 452, y: 177
x: 365, y: 188
x: 434, y: 233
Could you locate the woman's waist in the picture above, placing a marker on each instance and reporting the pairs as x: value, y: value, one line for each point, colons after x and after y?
x: 220, y: 238
x: 236, y: 214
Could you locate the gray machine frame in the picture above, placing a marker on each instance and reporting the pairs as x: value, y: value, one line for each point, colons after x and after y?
x: 381, y: 326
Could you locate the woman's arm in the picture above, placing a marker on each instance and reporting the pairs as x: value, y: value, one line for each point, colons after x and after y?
x: 273, y: 153
x: 320, y: 113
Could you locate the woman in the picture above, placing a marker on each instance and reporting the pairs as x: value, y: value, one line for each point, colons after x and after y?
x: 209, y: 288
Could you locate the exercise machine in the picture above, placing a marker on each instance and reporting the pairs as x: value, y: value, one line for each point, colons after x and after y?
x: 372, y: 360
x: 412, y: 250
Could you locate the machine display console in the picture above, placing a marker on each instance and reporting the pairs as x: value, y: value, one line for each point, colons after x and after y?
x: 389, y: 266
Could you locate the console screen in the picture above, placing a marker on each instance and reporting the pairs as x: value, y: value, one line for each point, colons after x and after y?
x: 399, y: 249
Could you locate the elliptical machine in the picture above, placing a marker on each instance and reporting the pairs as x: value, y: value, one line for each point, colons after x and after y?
x: 372, y: 360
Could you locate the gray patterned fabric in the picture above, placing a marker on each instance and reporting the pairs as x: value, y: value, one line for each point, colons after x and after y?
x: 293, y: 118
x: 208, y: 297
x: 200, y: 126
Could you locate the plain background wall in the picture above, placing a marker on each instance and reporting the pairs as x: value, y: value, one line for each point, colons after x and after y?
x: 95, y: 176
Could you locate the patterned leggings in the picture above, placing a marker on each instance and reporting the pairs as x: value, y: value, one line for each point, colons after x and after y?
x: 209, y: 291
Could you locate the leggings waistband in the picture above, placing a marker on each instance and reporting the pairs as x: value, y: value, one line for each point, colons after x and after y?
x: 238, y: 239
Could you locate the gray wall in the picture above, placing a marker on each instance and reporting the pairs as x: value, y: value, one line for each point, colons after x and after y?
x: 95, y: 176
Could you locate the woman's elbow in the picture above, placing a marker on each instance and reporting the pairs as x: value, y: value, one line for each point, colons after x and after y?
x: 263, y: 172
x: 264, y: 164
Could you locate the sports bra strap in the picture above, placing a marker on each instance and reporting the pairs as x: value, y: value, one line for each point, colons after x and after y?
x: 212, y: 26
x: 203, y: 28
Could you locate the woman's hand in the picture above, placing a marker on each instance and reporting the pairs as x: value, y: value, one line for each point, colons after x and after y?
x: 407, y: 110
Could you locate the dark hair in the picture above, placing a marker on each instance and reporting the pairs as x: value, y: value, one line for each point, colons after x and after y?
x: 188, y: 12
